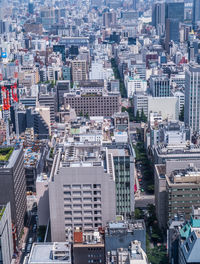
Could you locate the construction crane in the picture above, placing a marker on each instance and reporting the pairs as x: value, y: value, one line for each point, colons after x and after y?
x: 6, y: 111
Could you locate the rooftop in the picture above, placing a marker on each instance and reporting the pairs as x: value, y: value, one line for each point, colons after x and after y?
x: 50, y: 253
x: 5, y: 153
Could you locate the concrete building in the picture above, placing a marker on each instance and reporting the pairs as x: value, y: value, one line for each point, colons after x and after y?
x: 62, y: 87
x: 13, y: 184
x: 123, y: 157
x: 94, y: 104
x: 88, y: 247
x: 6, y: 239
x: 50, y: 253
x: 120, y: 234
x: 166, y: 106
x: 42, y: 194
x: 134, y: 254
x: 135, y: 85
x: 192, y: 97
x: 159, y: 86
x: 109, y: 19
x: 81, y: 190
x: 79, y: 70
x: 49, y: 100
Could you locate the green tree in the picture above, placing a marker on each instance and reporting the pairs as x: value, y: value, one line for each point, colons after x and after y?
x: 143, y: 117
x: 137, y: 116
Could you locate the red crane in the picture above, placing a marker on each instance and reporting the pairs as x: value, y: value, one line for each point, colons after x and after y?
x: 6, y: 98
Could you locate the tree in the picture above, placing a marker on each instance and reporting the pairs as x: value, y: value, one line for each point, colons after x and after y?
x: 137, y: 116
x: 143, y: 117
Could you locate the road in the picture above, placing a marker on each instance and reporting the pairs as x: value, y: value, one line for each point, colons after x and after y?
x: 31, y: 233
x: 144, y: 200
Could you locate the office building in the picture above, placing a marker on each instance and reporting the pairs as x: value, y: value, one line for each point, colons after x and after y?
x: 183, y: 192
x: 62, y: 87
x: 49, y: 100
x: 120, y: 234
x: 6, y: 239
x: 196, y: 12
x: 175, y: 10
x: 88, y: 247
x: 109, y: 19
x: 159, y: 86
x: 79, y: 70
x: 93, y: 104
x: 13, y: 184
x: 192, y: 97
x: 172, y: 32
x: 123, y: 161
x: 81, y: 190
x: 158, y: 17
x: 50, y: 253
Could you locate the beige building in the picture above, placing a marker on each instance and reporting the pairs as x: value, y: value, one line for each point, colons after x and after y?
x: 79, y: 70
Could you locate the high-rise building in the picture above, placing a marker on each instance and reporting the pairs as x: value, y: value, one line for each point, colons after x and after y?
x: 172, y: 32
x: 109, y: 19
x: 13, y: 184
x: 158, y: 17
x: 81, y: 190
x: 123, y: 161
x: 31, y: 7
x: 196, y: 12
x: 159, y: 86
x: 6, y: 240
x: 192, y: 97
x: 79, y: 70
x: 175, y: 10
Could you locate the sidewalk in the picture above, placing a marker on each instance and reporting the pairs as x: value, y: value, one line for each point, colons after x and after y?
x: 22, y: 240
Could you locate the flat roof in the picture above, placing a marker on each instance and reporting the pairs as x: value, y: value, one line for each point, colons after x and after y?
x: 42, y: 253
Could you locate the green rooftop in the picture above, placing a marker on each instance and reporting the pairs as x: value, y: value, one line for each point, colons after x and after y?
x: 5, y: 153
x: 2, y: 212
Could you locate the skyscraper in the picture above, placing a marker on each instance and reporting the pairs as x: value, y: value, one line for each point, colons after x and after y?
x: 159, y: 86
x: 158, y: 17
x: 172, y: 32
x: 196, y: 12
x: 192, y: 97
x: 175, y: 10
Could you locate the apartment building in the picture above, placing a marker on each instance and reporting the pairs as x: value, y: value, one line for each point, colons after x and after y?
x: 81, y: 190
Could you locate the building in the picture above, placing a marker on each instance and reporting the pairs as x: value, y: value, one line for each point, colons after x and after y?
x: 123, y: 160
x: 135, y: 85
x: 49, y: 100
x: 6, y: 240
x: 196, y: 12
x: 172, y: 32
x: 13, y: 184
x: 158, y: 17
x: 192, y: 98
x: 62, y: 87
x: 81, y: 190
x: 88, y: 247
x: 175, y: 10
x: 134, y: 254
x: 183, y: 192
x: 79, y: 70
x: 42, y: 194
x: 120, y: 234
x: 160, y: 86
x: 50, y: 253
x: 109, y: 19
x: 93, y: 104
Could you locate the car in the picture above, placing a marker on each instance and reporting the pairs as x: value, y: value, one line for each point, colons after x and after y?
x: 30, y: 240
x: 28, y: 250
